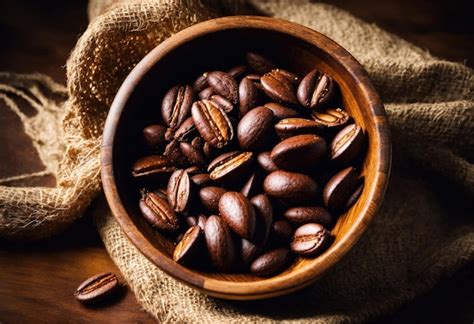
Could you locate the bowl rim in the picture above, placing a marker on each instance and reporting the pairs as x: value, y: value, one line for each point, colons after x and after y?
x: 268, y: 287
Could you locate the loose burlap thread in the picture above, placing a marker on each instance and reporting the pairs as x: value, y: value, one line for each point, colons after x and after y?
x: 423, y: 231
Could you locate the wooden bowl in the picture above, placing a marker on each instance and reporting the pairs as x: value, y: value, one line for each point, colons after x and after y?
x: 214, y: 45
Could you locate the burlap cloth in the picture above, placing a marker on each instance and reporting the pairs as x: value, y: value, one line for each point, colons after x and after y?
x: 423, y: 232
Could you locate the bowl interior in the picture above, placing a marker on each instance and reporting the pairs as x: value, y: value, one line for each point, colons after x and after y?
x: 220, y: 49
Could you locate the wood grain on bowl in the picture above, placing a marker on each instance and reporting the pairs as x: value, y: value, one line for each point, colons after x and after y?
x: 293, y: 46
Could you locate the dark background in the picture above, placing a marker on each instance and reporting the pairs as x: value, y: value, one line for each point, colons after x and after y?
x: 37, y: 279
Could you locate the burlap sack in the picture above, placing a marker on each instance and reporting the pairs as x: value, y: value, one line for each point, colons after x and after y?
x: 423, y: 232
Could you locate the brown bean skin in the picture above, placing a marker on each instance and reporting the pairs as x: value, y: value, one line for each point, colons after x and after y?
x: 271, y: 262
x: 239, y: 214
x: 255, y: 130
x: 219, y: 244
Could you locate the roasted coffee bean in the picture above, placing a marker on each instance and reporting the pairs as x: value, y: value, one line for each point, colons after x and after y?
x: 201, y: 82
x: 296, y: 187
x: 97, y: 288
x: 266, y: 163
x: 296, y: 126
x: 177, y: 105
x: 249, y: 252
x: 237, y: 72
x: 224, y: 85
x: 190, y: 247
x: 202, y: 221
x: 270, y: 263
x: 331, y: 119
x: 201, y: 179
x: 152, y: 165
x: 230, y: 166
x: 338, y: 190
x: 206, y: 93
x: 198, y: 143
x: 248, y: 96
x: 210, y: 197
x: 281, y: 232
x: 259, y: 63
x: 313, y: 214
x: 355, y: 195
x: 158, y: 212
x: 300, y: 152
x: 281, y: 112
x: 212, y: 123
x: 310, y: 239
x: 255, y: 78
x: 193, y: 170
x: 222, y: 103
x: 175, y: 155
x: 212, y: 152
x: 251, y: 186
x: 264, y: 218
x: 191, y: 221
x: 239, y: 214
x: 169, y: 135
x: 255, y: 130
x: 186, y: 130
x: 154, y: 136
x: 279, y: 86
x: 315, y: 90
x: 219, y: 243
x: 346, y: 145
x: 192, y: 154
x: 179, y: 191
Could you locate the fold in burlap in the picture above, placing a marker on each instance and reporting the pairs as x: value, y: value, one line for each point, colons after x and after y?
x: 424, y: 230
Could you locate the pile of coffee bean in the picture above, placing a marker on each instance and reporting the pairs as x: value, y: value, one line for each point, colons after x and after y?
x: 250, y: 167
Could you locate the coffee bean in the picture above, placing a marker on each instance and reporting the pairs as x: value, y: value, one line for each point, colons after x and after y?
x: 255, y: 130
x: 206, y: 93
x: 281, y: 112
x: 310, y: 239
x: 355, y: 195
x: 97, y: 288
x: 255, y: 78
x: 251, y: 186
x: 198, y: 143
x: 237, y: 72
x: 338, y: 190
x: 300, y: 152
x: 281, y: 232
x: 315, y: 90
x: 296, y: 126
x: 175, y: 155
x: 230, y: 166
x: 201, y: 179
x: 169, y: 135
x: 222, y: 103
x: 264, y: 218
x: 259, y: 63
x: 346, y: 145
x: 210, y: 197
x: 193, y: 170
x: 154, y: 136
x: 249, y: 252
x: 278, y: 86
x: 212, y: 123
x: 236, y: 210
x: 152, y: 165
x: 266, y: 163
x: 224, y: 85
x: 310, y: 214
x: 202, y: 221
x: 190, y: 246
x: 179, y: 191
x: 192, y: 154
x: 293, y: 186
x: 248, y: 96
x: 191, y: 221
x: 158, y: 212
x: 270, y: 263
x: 186, y: 130
x: 176, y: 105
x: 331, y: 119
x: 219, y: 243
x: 201, y: 82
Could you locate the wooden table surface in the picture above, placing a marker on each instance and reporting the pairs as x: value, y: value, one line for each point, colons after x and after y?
x: 37, y: 279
